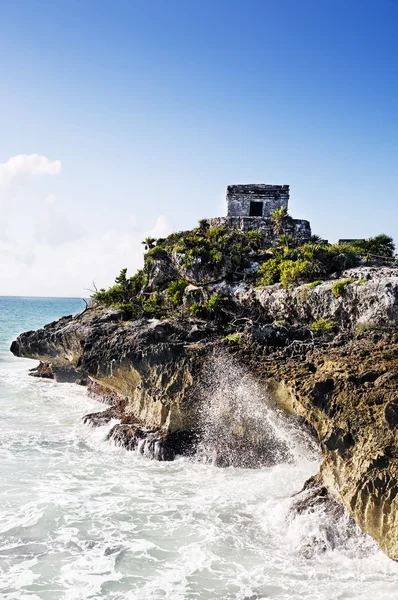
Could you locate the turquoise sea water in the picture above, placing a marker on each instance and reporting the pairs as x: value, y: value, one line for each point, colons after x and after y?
x: 19, y: 314
x: 82, y: 519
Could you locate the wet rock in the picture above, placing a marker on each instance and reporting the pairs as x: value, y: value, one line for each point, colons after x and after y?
x: 234, y: 451
x: 44, y: 370
x: 334, y: 524
x: 99, y: 419
x: 313, y: 495
x: 150, y: 444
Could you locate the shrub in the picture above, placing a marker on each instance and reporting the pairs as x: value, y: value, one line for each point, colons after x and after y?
x: 269, y: 272
x: 257, y: 238
x: 363, y: 327
x: 236, y: 338
x: 325, y: 325
x: 310, y: 261
x: 175, y: 291
x: 198, y: 309
x: 189, y: 259
x: 213, y: 244
x: 215, y: 302
x: 156, y: 253
x: 211, y: 308
x: 154, y: 305
x: 339, y: 287
x: 124, y: 291
x: 204, y: 225
x: 292, y: 272
x: 381, y: 246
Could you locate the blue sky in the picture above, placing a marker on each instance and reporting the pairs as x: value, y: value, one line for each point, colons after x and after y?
x: 153, y: 108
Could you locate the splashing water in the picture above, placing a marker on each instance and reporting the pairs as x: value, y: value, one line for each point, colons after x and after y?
x: 82, y: 519
x: 240, y: 424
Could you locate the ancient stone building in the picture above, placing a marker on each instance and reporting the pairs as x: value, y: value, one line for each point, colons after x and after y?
x: 257, y: 200
x: 250, y: 206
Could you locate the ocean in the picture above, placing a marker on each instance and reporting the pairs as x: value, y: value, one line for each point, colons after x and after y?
x: 81, y: 518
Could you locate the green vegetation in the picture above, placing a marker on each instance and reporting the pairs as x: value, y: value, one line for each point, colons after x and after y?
x: 291, y: 263
x: 294, y: 271
x: 156, y: 253
x: 211, y: 308
x: 124, y: 291
x: 324, y: 325
x: 339, y: 287
x: 211, y: 246
x: 269, y: 272
x: 364, y: 327
x: 158, y: 289
x: 154, y: 305
x: 149, y: 243
x: 198, y: 309
x: 216, y: 302
x: 208, y: 246
x: 280, y: 221
x: 314, y: 284
x: 129, y: 293
x: 175, y: 291
x: 307, y: 262
x: 236, y: 338
x: 381, y: 246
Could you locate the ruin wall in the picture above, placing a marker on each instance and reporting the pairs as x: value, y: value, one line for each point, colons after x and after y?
x: 240, y: 196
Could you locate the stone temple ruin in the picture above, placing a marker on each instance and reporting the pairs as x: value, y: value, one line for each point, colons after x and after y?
x: 249, y: 207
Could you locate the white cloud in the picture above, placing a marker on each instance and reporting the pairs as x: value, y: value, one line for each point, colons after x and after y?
x: 52, y: 226
x: 27, y: 164
x: 15, y: 191
x: 69, y: 268
x: 44, y: 249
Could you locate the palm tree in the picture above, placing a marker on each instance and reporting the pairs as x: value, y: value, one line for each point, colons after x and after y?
x: 280, y: 219
x: 380, y: 246
x: 149, y: 243
x: 315, y: 239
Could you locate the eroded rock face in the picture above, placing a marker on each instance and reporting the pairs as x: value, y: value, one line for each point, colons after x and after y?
x: 146, y: 364
x: 372, y: 299
x: 348, y: 393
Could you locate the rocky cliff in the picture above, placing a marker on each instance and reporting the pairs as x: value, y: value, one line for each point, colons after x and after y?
x: 324, y: 351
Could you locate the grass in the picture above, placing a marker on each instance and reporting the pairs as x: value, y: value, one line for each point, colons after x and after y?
x: 364, y: 327
x: 324, y: 325
x: 314, y: 284
x: 339, y: 287
x: 235, y: 338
